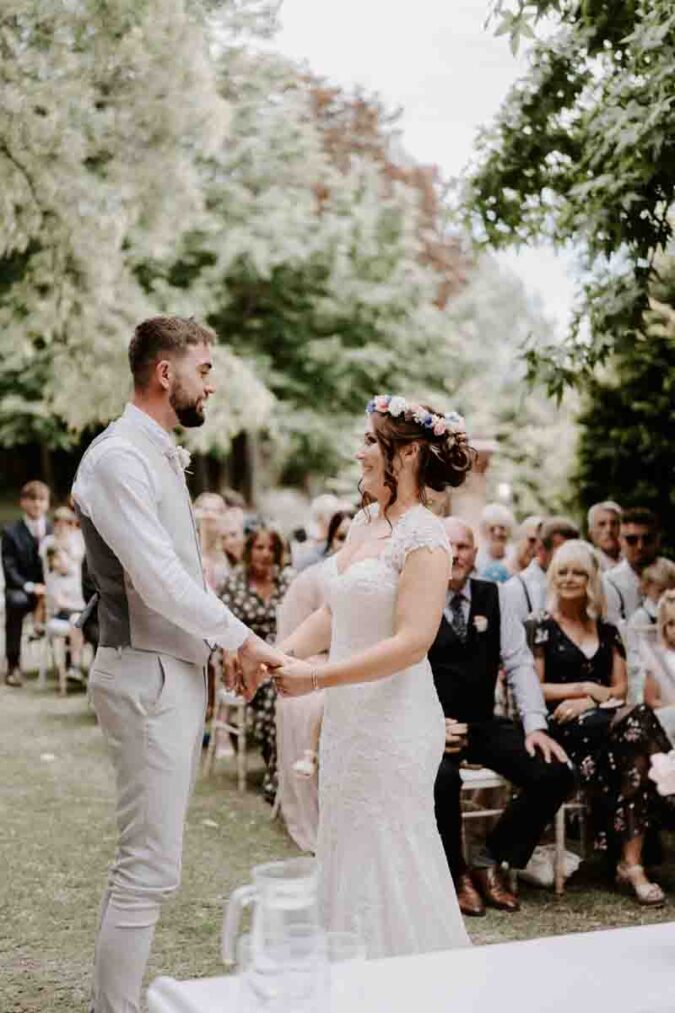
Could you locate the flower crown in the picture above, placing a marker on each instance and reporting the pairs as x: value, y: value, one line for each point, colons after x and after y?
x: 441, y: 425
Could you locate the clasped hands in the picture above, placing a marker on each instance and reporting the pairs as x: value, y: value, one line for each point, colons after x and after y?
x: 245, y: 671
x: 595, y: 695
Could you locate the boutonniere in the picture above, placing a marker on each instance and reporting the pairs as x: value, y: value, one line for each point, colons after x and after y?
x: 179, y: 458
x: 480, y: 624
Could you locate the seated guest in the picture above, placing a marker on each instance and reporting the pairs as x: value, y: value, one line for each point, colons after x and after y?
x: 641, y: 629
x: 253, y: 592
x: 61, y: 554
x: 22, y: 567
x: 496, y: 526
x: 526, y: 592
x: 526, y: 543
x: 209, y: 509
x: 478, y: 635
x: 299, y: 718
x: 322, y: 508
x: 659, y: 665
x: 233, y: 535
x: 639, y: 537
x: 604, y: 525
x: 581, y: 662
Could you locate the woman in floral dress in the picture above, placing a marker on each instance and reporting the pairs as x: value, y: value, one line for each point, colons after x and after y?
x: 254, y: 592
x: 581, y: 662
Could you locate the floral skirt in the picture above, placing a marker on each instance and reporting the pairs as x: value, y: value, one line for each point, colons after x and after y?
x: 611, y: 751
x: 261, y: 725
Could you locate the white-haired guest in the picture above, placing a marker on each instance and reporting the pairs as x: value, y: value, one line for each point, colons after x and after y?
x: 525, y: 546
x: 581, y: 662
x: 496, y: 526
x: 604, y: 526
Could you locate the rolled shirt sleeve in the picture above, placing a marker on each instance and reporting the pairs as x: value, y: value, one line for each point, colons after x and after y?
x: 521, y: 673
x: 116, y: 492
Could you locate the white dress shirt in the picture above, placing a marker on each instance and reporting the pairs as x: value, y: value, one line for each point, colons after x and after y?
x: 516, y: 658
x: 536, y: 587
x: 622, y: 591
x: 114, y: 488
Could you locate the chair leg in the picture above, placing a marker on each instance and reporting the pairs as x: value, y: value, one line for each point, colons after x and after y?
x: 241, y: 748
x: 559, y: 851
x: 44, y: 663
x: 58, y: 647
x: 210, y: 757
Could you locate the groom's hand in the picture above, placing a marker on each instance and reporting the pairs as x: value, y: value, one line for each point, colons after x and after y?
x: 254, y: 659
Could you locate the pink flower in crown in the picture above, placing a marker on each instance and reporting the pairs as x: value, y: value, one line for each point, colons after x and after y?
x: 381, y: 403
x: 440, y: 427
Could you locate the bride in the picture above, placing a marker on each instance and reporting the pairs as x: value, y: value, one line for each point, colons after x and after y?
x: 382, y: 870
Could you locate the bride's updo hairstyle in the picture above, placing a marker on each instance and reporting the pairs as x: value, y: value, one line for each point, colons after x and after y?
x: 444, y: 457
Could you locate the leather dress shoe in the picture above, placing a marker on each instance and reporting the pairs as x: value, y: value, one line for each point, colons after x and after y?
x: 493, y: 891
x: 470, y: 902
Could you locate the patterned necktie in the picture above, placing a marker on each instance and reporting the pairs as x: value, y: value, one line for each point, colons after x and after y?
x: 458, y: 621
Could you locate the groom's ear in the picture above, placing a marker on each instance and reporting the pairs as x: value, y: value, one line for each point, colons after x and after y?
x: 164, y: 373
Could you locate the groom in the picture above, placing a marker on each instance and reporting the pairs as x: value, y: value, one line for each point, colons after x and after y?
x: 158, y: 625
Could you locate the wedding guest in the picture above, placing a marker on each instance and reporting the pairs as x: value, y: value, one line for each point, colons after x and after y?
x: 641, y: 629
x: 581, y: 662
x: 604, y: 525
x: 253, y: 593
x: 478, y: 635
x: 526, y: 543
x: 23, y: 571
x: 322, y: 508
x: 526, y: 592
x: 639, y: 537
x: 233, y: 535
x: 496, y: 527
x: 62, y: 556
x: 299, y: 718
x: 659, y: 665
x: 210, y: 512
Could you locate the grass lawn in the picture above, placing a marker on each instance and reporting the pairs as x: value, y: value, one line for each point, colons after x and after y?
x: 57, y: 838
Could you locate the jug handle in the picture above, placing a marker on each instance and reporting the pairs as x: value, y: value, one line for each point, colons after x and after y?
x: 240, y: 899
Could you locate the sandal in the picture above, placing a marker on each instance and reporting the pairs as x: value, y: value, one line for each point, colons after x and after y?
x: 647, y: 894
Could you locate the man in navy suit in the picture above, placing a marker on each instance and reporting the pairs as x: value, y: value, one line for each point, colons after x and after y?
x: 22, y: 566
x: 478, y: 635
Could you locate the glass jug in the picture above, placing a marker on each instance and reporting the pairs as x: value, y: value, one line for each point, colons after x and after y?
x: 284, y: 897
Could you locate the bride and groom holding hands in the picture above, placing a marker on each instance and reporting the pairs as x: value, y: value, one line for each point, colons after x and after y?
x: 382, y: 866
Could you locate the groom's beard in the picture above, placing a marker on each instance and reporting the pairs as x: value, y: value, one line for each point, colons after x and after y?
x: 189, y: 412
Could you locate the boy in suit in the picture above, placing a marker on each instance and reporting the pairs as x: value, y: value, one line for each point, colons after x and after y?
x: 22, y: 566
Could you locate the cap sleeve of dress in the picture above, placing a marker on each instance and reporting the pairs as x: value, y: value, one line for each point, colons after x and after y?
x: 419, y: 529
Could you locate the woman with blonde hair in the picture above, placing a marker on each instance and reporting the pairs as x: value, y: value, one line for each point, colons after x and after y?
x: 581, y: 662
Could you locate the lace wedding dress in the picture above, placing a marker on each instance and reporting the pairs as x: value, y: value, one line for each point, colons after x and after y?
x: 382, y: 869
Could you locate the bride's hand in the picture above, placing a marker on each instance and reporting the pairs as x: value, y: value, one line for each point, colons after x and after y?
x: 294, y: 678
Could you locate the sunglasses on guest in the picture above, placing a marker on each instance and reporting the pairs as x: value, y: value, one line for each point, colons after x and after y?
x: 647, y: 539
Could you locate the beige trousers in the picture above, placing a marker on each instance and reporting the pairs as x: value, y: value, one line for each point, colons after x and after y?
x: 151, y: 710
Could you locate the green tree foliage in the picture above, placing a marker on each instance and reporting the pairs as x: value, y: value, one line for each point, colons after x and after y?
x: 627, y: 440
x: 583, y: 152
x: 106, y: 107
x: 324, y: 263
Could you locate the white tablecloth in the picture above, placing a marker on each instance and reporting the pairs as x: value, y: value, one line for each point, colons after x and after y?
x: 617, y: 971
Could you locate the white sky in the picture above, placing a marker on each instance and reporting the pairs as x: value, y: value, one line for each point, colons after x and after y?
x: 434, y: 60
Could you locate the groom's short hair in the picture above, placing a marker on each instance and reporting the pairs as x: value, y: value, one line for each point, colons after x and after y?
x: 161, y: 336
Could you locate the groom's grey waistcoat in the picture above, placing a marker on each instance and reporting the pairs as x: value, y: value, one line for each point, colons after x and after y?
x: 124, y: 618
